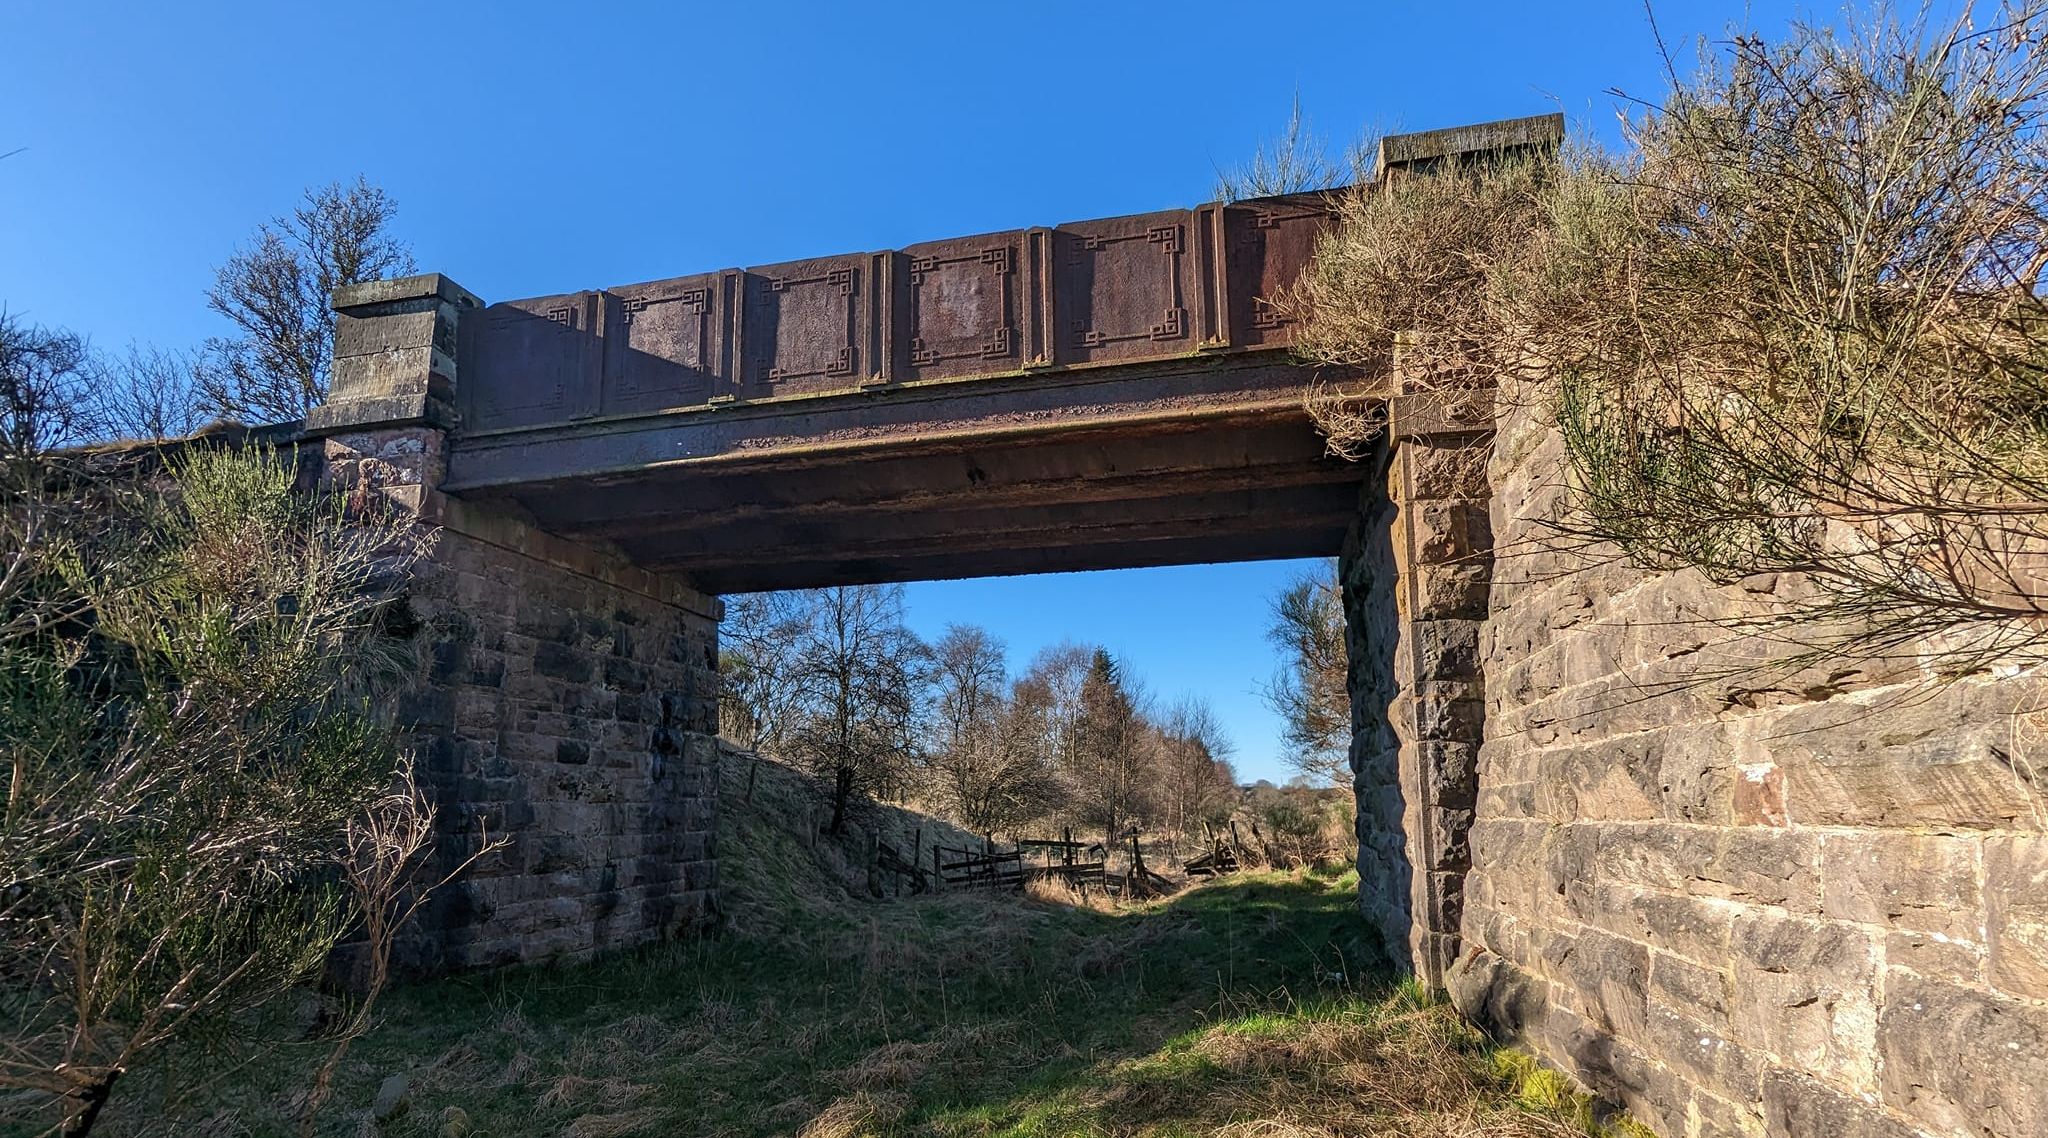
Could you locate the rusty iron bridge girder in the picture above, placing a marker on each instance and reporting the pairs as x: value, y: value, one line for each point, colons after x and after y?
x: 1096, y: 394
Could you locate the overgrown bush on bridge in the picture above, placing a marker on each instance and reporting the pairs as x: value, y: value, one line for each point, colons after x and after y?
x: 1796, y: 326
x: 199, y: 802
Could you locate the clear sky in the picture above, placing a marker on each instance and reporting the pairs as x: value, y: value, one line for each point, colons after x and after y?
x: 539, y: 148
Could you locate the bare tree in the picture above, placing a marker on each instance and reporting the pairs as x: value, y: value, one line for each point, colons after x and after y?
x: 760, y: 668
x: 1297, y: 161
x: 863, y: 671
x: 147, y: 394
x: 1311, y: 693
x: 1051, y: 690
x: 276, y: 292
x: 1195, y: 776
x: 45, y: 382
x: 967, y: 757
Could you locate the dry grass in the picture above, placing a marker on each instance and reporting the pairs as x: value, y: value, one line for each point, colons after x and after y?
x: 1394, y: 1068
x: 1237, y: 1006
x: 856, y: 1115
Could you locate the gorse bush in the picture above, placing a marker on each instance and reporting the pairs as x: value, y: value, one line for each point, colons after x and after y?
x: 187, y: 662
x: 1796, y: 326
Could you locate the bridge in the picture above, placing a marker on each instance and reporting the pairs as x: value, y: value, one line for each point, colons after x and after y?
x: 1092, y: 395
x: 1098, y: 394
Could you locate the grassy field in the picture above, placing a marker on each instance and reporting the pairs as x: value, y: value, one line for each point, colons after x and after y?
x: 1249, y: 1006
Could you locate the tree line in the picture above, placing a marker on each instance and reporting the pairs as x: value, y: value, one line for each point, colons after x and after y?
x: 834, y: 681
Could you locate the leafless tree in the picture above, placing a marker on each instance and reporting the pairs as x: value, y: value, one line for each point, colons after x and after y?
x: 863, y: 673
x: 760, y: 667
x: 1310, y: 693
x: 277, y: 290
x: 967, y: 757
x: 45, y: 383
x: 147, y: 394
x: 1195, y: 776
x: 1297, y: 161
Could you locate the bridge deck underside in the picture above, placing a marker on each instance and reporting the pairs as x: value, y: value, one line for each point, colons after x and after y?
x: 1119, y: 470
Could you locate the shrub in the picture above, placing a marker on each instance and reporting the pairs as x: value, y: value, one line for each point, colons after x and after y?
x: 186, y: 666
x: 1796, y: 327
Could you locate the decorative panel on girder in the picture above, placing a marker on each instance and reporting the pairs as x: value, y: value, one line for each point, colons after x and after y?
x: 960, y: 305
x: 808, y: 326
x: 1122, y: 290
x: 666, y: 343
x: 1265, y: 244
x: 536, y: 361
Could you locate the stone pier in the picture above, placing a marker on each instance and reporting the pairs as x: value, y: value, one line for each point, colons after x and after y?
x: 567, y: 700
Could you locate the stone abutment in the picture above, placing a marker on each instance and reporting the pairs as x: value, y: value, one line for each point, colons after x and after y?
x: 566, y: 701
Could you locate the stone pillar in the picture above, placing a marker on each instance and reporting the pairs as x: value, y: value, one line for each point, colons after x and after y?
x: 1443, y: 555
x: 1416, y: 572
x: 564, y: 699
x: 395, y: 349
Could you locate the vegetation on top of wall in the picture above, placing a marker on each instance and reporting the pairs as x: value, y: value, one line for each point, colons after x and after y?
x: 1795, y: 327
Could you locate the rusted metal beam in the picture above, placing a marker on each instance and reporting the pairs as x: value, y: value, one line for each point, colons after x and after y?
x: 1108, y: 291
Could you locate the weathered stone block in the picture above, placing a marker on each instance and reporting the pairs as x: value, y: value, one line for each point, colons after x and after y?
x: 373, y: 335
x: 1799, y: 1107
x: 1655, y: 854
x: 1705, y: 1057
x: 1611, y: 977
x: 1495, y: 994
x: 1766, y: 866
x: 1807, y: 991
x: 2016, y: 913
x: 1964, y: 1062
x: 1935, y: 762
x: 1698, y: 992
x: 1709, y: 1115
x: 1912, y: 881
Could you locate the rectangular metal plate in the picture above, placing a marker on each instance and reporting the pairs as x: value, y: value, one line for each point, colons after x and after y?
x: 808, y: 326
x: 540, y: 357
x: 960, y: 304
x: 1266, y: 244
x: 665, y: 344
x: 1124, y: 288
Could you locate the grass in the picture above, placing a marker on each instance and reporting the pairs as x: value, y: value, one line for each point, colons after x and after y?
x: 1247, y: 1006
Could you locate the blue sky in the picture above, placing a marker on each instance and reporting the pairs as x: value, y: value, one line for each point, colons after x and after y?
x: 544, y: 148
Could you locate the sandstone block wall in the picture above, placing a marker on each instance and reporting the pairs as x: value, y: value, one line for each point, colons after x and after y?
x: 1371, y: 579
x: 1813, y: 905
x: 1415, y: 572
x: 565, y: 702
